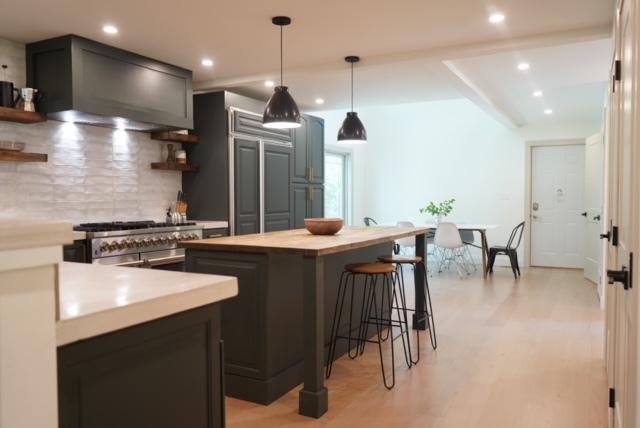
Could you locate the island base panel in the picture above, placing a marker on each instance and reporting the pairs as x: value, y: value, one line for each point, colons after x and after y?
x: 163, y: 373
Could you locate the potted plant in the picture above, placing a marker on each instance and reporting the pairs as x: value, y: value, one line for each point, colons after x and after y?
x: 439, y: 210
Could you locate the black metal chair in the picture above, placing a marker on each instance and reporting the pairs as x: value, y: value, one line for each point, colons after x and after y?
x: 510, y: 250
x: 368, y: 221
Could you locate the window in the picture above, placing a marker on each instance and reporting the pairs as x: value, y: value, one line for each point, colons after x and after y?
x: 337, y: 178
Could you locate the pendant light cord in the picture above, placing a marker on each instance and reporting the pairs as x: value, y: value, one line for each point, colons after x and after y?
x: 351, y: 87
x: 281, y: 62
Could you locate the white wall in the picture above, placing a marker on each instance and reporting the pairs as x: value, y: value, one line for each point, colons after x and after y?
x: 434, y: 151
x: 93, y: 173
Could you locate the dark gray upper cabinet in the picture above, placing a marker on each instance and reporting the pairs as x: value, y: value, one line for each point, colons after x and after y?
x: 251, y: 123
x: 309, y: 151
x: 88, y: 82
x: 278, y: 212
x: 247, y: 186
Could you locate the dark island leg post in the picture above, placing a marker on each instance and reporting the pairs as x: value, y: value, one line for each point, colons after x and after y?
x: 419, y: 316
x: 314, y: 397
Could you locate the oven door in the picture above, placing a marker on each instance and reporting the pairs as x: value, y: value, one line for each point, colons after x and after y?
x: 164, y: 260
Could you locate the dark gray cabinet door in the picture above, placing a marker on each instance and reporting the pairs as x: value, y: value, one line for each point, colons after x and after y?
x: 315, y: 148
x: 315, y: 207
x: 278, y: 212
x: 300, y: 165
x: 299, y: 204
x: 247, y: 186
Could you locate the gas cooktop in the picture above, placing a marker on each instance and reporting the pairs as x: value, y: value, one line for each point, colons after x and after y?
x: 117, y: 226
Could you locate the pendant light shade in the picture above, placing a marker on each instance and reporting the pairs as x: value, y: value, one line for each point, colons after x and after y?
x: 281, y: 111
x: 352, y: 130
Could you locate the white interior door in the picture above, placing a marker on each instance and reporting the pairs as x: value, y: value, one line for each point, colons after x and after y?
x: 557, y: 196
x: 594, y: 185
x: 624, y: 326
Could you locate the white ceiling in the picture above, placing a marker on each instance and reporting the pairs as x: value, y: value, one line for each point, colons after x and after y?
x: 406, y: 46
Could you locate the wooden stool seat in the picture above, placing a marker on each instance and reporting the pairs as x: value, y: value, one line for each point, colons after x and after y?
x: 370, y: 268
x: 400, y: 259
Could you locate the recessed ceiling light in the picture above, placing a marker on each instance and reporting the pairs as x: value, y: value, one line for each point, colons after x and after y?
x: 319, y: 100
x: 537, y: 94
x: 496, y: 18
x: 207, y: 62
x: 269, y: 83
x: 110, y: 29
x: 548, y: 111
x: 523, y: 66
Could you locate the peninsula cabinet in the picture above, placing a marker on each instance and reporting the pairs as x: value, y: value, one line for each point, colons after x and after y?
x: 308, y: 147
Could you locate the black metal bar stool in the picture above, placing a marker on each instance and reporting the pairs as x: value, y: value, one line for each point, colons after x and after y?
x: 380, y: 279
x: 417, y: 263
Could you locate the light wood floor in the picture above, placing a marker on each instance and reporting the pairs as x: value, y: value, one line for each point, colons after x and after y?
x: 524, y: 353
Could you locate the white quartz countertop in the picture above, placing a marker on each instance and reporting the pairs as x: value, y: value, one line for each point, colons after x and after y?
x: 77, y: 235
x: 95, y: 300
x: 16, y: 235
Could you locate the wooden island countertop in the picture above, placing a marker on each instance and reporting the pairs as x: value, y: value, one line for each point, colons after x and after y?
x: 300, y: 241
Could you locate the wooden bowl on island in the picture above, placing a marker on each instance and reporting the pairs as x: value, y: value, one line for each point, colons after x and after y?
x: 323, y: 226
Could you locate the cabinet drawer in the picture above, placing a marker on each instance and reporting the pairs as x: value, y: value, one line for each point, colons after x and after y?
x: 250, y: 123
x: 215, y: 233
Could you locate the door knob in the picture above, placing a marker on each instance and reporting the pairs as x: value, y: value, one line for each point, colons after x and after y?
x: 619, y: 276
x: 584, y: 214
x: 606, y: 236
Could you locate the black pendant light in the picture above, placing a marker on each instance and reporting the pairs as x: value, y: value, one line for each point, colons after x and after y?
x: 352, y: 130
x: 281, y: 111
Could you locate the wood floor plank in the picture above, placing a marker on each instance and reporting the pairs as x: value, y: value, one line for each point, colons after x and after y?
x: 526, y: 353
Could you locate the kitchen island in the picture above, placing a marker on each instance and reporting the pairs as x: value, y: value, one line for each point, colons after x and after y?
x: 140, y: 347
x: 276, y: 330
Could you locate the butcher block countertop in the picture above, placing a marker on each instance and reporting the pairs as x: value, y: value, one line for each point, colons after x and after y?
x: 300, y: 241
x: 96, y: 299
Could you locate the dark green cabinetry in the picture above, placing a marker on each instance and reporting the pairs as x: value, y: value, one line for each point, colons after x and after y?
x: 215, y: 232
x: 308, y: 146
x: 247, y: 186
x: 164, y: 373
x: 89, y: 82
x: 250, y: 175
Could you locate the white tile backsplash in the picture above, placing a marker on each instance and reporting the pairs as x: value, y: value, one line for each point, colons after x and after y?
x: 93, y: 174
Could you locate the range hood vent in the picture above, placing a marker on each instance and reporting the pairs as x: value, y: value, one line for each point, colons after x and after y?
x: 83, y: 81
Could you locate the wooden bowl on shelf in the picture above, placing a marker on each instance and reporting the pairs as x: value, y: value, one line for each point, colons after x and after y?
x: 323, y: 226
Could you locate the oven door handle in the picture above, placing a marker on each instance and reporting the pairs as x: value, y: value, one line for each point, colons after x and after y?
x: 134, y: 263
x: 163, y: 260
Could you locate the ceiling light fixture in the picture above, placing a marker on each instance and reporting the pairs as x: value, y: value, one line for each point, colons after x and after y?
x: 523, y: 66
x: 269, y: 83
x: 548, y: 111
x: 110, y: 29
x: 320, y: 101
x: 207, y: 62
x: 281, y: 111
x: 537, y: 94
x: 352, y: 130
x: 496, y: 18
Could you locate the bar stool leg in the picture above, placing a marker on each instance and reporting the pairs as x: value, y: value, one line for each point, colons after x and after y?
x: 429, y: 309
x: 401, y: 310
x: 377, y: 321
x: 369, y: 288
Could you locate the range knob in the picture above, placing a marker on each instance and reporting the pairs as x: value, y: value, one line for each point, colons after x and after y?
x: 112, y: 246
x: 194, y: 236
x: 129, y: 243
x: 155, y: 241
x: 164, y: 239
x: 104, y: 247
x: 138, y: 243
x: 121, y: 245
x: 173, y: 239
x: 146, y: 242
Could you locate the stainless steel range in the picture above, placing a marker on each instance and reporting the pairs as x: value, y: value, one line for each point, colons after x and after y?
x: 139, y: 244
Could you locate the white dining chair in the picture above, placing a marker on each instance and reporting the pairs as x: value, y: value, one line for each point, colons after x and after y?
x: 407, y: 245
x: 451, y: 247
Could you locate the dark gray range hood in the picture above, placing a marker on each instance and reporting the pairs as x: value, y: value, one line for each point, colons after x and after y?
x: 83, y: 81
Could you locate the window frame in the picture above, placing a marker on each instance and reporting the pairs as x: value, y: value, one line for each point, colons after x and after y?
x: 347, y: 155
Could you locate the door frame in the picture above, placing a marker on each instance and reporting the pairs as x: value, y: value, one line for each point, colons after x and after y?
x: 528, y: 184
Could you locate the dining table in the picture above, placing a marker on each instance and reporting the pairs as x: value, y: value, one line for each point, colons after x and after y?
x: 481, y: 228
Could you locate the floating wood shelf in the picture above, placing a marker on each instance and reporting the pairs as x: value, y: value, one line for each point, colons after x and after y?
x: 20, y: 116
x: 13, y: 156
x: 177, y: 167
x: 175, y: 137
